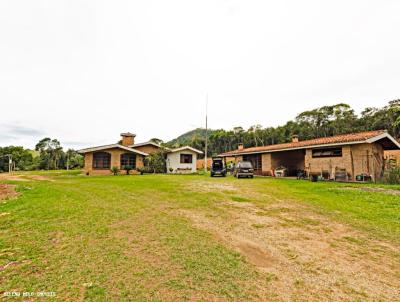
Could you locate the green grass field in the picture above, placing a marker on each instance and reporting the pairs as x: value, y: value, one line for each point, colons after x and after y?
x: 196, y: 238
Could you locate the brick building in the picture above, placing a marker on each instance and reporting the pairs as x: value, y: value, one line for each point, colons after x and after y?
x: 350, y: 154
x: 393, y: 156
x: 99, y: 160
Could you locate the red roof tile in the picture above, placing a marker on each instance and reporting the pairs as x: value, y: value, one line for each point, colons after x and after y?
x: 344, y: 138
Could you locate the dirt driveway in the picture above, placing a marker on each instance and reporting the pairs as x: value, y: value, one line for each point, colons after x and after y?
x: 306, y: 256
x: 7, y: 190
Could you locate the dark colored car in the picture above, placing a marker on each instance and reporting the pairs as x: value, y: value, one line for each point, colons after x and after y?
x: 244, y: 169
x: 218, y: 167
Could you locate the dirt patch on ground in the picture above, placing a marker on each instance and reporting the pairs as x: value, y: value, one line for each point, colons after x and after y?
x: 12, y: 177
x: 134, y: 233
x: 7, y: 191
x: 10, y: 264
x: 39, y: 177
x: 255, y: 254
x: 138, y: 236
x: 209, y: 186
x: 23, y: 177
x: 369, y: 189
x: 305, y: 255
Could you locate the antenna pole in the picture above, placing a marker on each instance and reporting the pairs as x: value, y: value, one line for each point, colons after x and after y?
x: 206, y: 146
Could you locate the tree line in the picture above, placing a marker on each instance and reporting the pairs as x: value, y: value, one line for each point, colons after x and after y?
x: 320, y: 122
x: 48, y: 155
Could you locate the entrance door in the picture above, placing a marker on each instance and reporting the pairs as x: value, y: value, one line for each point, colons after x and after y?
x: 256, y: 161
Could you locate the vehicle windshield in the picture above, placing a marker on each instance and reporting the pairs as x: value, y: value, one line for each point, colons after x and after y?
x: 245, y: 164
x: 217, y: 164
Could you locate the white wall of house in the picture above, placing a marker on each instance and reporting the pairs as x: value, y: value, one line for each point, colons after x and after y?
x: 174, y: 162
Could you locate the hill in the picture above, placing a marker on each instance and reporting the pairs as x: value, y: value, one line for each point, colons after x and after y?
x: 190, y: 137
x: 34, y: 153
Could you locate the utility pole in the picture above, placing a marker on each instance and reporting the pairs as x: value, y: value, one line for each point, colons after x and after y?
x: 10, y: 162
x: 206, y: 146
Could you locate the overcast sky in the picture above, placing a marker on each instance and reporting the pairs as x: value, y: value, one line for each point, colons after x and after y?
x: 84, y: 71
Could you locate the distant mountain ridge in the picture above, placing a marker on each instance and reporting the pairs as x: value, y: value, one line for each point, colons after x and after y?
x: 190, y: 137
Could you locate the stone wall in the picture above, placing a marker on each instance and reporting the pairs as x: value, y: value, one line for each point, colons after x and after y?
x: 355, y: 159
x: 368, y: 158
x: 115, y: 162
x: 266, y: 161
x: 200, y: 163
x: 329, y: 164
x: 393, y: 154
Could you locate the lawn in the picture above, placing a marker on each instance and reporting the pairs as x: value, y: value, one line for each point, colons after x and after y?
x: 192, y: 237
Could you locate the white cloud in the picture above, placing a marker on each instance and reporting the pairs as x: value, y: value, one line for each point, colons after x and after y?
x: 84, y: 71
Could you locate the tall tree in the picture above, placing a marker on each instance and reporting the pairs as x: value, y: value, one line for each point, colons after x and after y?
x: 319, y: 122
x: 22, y: 158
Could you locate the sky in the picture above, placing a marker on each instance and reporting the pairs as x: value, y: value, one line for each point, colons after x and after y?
x: 85, y: 71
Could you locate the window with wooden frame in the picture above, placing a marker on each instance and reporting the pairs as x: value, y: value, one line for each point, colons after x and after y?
x: 101, y: 160
x: 128, y: 159
x: 327, y: 152
x: 186, y: 158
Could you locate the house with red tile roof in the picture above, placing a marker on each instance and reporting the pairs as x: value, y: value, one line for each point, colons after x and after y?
x: 100, y: 159
x: 340, y: 157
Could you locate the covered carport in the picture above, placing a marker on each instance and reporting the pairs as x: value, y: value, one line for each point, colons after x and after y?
x: 345, y: 156
x: 293, y: 161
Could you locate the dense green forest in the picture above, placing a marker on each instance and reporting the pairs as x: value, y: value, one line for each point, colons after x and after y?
x: 48, y: 155
x: 319, y: 122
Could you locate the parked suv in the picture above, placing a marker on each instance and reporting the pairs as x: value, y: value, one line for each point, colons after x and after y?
x: 218, y: 167
x: 244, y: 169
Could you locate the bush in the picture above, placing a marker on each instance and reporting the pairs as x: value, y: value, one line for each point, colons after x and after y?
x: 145, y: 169
x: 128, y: 169
x: 115, y: 170
x: 156, y: 162
x: 392, y: 176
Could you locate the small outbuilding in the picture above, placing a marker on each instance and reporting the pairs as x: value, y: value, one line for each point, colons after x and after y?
x: 182, y: 160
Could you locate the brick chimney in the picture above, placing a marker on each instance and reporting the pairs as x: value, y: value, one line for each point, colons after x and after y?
x: 295, y: 138
x: 240, y: 147
x: 128, y: 139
